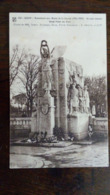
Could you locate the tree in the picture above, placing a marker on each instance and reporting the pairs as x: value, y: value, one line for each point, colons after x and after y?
x: 97, y: 90
x: 17, y: 104
x: 20, y: 99
x: 16, y: 60
x: 28, y: 76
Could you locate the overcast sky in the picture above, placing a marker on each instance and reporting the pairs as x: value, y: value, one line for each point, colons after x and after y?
x: 85, y: 37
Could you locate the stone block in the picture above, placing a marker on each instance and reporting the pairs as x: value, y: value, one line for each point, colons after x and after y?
x: 78, y: 125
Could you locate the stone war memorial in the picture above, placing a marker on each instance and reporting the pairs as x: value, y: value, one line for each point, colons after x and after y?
x: 62, y: 100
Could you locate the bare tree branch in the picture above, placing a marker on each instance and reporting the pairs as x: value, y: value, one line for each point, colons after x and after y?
x: 28, y: 77
x: 16, y: 60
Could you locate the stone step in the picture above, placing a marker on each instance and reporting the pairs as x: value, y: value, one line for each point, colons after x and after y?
x: 57, y: 144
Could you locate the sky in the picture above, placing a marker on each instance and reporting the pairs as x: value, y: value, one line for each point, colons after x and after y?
x: 84, y: 36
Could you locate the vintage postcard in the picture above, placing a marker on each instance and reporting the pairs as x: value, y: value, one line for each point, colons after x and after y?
x: 58, y: 90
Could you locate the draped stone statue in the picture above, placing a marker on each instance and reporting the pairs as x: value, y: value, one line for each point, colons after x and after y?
x: 47, y: 75
x: 81, y: 99
x: 69, y: 89
x: 86, y: 100
x: 74, y: 102
x: 46, y: 68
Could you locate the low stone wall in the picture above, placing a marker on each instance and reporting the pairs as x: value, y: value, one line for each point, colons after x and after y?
x: 20, y: 127
x: 77, y: 126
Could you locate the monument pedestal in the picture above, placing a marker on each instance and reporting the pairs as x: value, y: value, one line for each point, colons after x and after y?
x: 78, y: 125
x: 45, y: 115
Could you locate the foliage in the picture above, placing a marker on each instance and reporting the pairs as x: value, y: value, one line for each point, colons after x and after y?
x: 58, y: 132
x: 13, y: 111
x: 97, y: 90
x: 20, y: 98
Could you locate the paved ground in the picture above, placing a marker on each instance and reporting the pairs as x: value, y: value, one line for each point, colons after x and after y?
x: 95, y: 155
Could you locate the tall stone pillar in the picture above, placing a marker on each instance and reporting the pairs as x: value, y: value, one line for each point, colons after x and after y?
x: 63, y: 96
x: 56, y: 96
x: 46, y: 110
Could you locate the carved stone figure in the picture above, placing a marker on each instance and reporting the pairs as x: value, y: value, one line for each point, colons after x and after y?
x: 47, y: 75
x: 74, y: 102
x: 81, y: 99
x: 86, y: 100
x: 69, y: 87
x: 44, y: 49
x: 72, y: 77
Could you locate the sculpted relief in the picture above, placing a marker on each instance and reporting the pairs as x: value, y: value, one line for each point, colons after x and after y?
x: 86, y: 99
x: 73, y: 98
x: 45, y: 76
x: 78, y: 96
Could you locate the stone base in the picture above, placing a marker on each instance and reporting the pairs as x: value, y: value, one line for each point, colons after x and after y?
x: 55, y: 144
x: 78, y: 125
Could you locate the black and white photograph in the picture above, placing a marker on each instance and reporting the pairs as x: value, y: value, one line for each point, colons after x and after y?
x: 58, y: 90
